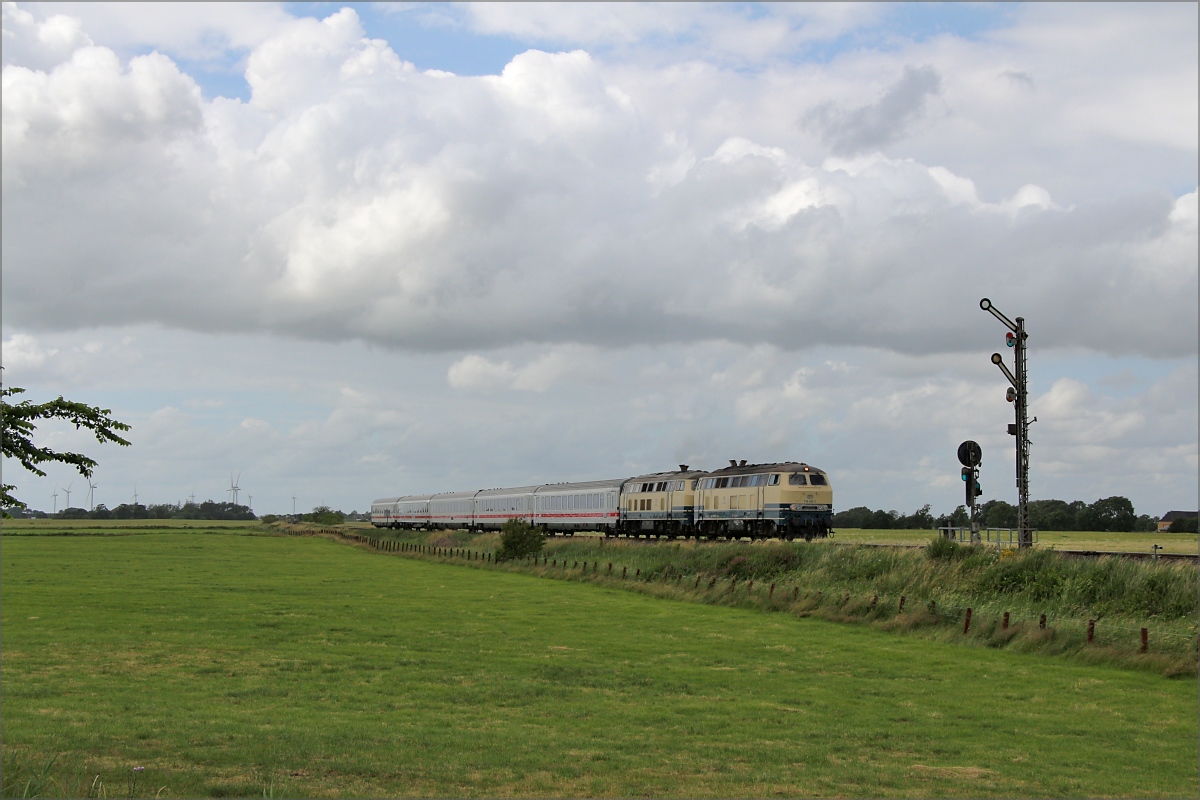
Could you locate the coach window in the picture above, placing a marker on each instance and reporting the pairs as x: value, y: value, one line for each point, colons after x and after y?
x: 774, y: 480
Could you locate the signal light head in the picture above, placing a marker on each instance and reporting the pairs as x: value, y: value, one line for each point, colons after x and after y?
x: 1011, y: 394
x: 1010, y: 339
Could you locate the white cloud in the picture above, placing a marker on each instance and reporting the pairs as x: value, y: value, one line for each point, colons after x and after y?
x: 356, y: 197
x: 567, y: 363
x: 648, y: 31
x: 22, y: 352
x: 193, y: 31
x: 40, y: 44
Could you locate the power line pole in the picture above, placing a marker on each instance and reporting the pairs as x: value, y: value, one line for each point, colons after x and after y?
x: 1018, y: 395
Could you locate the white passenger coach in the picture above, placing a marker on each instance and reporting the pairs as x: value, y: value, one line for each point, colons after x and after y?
x: 590, y: 505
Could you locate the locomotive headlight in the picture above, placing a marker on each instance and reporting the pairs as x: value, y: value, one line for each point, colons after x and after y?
x: 795, y: 506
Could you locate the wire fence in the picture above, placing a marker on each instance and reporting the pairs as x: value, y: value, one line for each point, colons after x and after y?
x: 792, y: 595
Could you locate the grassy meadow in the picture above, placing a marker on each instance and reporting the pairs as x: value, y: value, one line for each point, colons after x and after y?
x: 233, y: 665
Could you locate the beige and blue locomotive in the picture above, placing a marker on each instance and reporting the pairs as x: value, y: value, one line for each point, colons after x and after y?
x: 786, y: 500
x: 764, y: 501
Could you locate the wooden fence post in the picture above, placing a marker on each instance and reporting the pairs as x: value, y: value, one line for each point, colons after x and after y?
x: 901, y: 605
x: 1005, y: 620
x: 1145, y: 640
x: 967, y: 623
x: 1042, y: 622
x: 771, y: 593
x: 1091, y: 630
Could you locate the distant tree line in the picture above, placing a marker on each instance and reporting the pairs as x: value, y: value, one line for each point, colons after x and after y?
x: 1108, y: 514
x: 321, y: 515
x: 209, y: 509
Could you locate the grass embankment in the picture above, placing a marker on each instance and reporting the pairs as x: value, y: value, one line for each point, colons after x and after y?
x: 251, y: 666
x: 1095, y: 541
x: 865, y: 584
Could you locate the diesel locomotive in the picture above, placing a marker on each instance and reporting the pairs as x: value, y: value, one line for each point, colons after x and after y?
x: 787, y: 500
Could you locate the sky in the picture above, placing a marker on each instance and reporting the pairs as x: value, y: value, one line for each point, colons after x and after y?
x: 348, y: 251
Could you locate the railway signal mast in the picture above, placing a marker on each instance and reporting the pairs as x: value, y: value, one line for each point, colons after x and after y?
x: 970, y: 454
x: 1018, y: 395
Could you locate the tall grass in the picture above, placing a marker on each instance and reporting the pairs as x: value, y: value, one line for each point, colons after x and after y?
x: 1031, y: 581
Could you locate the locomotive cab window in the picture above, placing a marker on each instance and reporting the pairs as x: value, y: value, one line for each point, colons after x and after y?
x: 774, y: 480
x: 797, y: 479
x: 817, y: 480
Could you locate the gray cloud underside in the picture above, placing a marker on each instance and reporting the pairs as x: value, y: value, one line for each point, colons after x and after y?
x: 867, y: 128
x: 356, y: 198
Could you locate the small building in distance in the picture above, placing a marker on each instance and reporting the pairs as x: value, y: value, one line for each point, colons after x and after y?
x: 1165, y: 523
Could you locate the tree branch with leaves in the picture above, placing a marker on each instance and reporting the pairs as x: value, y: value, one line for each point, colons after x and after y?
x: 18, y: 421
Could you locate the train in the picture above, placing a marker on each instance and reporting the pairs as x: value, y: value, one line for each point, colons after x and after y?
x: 789, y: 500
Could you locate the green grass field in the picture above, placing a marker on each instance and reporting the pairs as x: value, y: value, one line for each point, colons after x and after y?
x: 236, y: 665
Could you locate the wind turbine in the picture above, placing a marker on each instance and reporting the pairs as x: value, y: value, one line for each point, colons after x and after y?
x: 233, y: 486
x: 91, y: 496
x: 293, y: 505
x: 192, y: 496
x: 54, y: 494
x: 135, y: 496
x: 250, y: 502
x: 68, y: 491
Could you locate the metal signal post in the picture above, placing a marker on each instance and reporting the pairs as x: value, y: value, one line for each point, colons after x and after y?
x: 970, y: 455
x: 1018, y: 395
